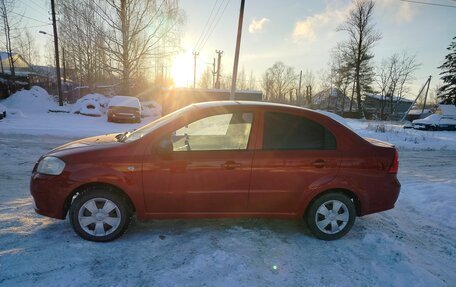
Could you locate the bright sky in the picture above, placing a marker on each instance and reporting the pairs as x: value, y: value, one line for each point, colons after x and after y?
x: 299, y: 33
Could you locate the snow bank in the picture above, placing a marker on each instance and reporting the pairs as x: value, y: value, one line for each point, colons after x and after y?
x: 404, y: 139
x: 151, y: 109
x: 91, y: 104
x: 33, y: 101
x: 91, y: 108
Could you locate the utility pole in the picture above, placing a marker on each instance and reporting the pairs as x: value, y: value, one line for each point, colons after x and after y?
x: 213, y: 74
x: 195, y: 54
x: 298, y: 96
x: 236, y: 55
x: 56, y: 47
x: 1, y: 64
x: 64, y: 65
x: 427, y: 83
x: 219, y: 59
x: 425, y: 95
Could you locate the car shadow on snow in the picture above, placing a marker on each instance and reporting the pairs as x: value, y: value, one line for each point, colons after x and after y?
x: 189, y: 227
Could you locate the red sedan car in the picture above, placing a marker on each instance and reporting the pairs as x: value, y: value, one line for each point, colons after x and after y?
x: 220, y: 159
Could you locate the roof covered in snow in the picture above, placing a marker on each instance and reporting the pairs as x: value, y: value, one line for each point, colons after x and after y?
x: 124, y: 101
x: 385, y: 98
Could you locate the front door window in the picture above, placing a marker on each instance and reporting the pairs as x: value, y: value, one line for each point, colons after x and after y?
x: 228, y: 131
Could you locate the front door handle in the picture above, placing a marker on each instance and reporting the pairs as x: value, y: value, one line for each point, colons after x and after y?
x: 319, y: 163
x: 231, y: 165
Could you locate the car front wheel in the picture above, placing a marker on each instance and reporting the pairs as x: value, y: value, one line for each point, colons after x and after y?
x: 331, y: 216
x: 99, y: 215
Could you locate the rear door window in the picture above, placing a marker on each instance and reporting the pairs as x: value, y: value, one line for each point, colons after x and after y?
x: 283, y: 131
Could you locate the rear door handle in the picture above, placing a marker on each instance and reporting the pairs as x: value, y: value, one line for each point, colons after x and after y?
x: 231, y: 165
x: 319, y: 163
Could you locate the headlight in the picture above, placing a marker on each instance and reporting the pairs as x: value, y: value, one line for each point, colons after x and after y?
x: 51, y: 165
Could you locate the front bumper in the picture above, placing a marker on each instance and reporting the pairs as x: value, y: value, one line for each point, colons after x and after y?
x: 124, y: 117
x: 49, y: 194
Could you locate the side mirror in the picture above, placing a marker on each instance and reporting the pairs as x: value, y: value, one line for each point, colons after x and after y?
x: 164, y: 147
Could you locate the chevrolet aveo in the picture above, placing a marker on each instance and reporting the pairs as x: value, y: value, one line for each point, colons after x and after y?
x: 219, y: 159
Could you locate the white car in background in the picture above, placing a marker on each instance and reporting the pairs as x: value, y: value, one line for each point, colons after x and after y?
x: 124, y: 109
x: 446, y: 120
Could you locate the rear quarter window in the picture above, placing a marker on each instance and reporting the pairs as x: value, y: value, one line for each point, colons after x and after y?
x: 283, y: 131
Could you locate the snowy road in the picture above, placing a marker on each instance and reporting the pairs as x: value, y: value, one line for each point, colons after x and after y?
x: 412, y: 245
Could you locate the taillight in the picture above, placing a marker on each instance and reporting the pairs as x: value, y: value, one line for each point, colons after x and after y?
x: 395, y: 165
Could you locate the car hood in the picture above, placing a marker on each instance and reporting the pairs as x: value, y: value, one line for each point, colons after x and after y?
x: 88, y: 142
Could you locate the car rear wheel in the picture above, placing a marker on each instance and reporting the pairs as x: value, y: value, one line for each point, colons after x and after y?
x: 331, y: 216
x: 99, y: 215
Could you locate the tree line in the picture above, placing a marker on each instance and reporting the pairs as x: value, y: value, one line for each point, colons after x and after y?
x: 351, y: 68
x: 104, y: 41
x: 128, y: 41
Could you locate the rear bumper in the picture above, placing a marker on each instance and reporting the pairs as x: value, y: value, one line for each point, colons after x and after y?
x: 382, y: 197
x: 49, y: 194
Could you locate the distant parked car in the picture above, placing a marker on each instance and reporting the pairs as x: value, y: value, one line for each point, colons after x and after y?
x: 220, y: 159
x: 435, y: 122
x: 2, y: 111
x: 124, y: 109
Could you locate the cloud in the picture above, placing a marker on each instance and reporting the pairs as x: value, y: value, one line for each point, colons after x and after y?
x: 400, y: 12
x: 317, y: 24
x: 257, y: 25
x: 405, y: 13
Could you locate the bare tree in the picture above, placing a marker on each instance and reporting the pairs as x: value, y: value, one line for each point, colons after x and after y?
x: 205, y: 80
x: 308, y: 87
x: 82, y: 37
x: 26, y: 46
x: 6, y: 7
x: 252, y: 82
x: 242, y: 80
x: 362, y: 36
x: 279, y: 81
x: 120, y: 40
x: 394, y: 77
x: 134, y: 30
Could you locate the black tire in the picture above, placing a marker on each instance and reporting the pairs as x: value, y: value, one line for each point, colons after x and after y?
x: 343, y: 217
x: 120, y: 214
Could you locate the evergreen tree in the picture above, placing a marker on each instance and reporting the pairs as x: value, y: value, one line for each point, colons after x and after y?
x: 448, y: 91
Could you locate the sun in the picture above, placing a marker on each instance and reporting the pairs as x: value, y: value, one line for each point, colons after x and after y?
x: 182, y: 70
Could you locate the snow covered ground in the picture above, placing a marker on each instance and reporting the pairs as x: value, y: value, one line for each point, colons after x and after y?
x: 405, y: 139
x: 28, y: 113
x: 411, y: 245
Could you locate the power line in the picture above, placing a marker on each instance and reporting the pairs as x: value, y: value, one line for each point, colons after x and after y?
x: 205, y: 25
x: 35, y: 26
x: 427, y: 3
x: 38, y: 6
x: 211, y: 21
x: 31, y: 18
x: 215, y: 25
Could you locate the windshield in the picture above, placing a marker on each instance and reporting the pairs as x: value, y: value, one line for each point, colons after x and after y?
x: 139, y: 133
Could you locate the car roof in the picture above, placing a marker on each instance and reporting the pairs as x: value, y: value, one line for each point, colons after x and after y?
x: 218, y: 104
